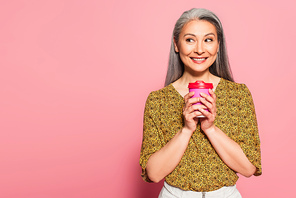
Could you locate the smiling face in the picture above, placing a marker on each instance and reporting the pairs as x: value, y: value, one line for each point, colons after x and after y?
x: 197, y: 46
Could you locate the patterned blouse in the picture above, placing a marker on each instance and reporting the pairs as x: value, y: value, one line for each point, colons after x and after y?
x: 201, y: 168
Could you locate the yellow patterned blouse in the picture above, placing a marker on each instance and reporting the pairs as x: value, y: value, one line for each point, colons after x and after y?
x: 201, y: 168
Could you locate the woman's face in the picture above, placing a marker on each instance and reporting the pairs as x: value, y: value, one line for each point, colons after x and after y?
x: 198, y: 45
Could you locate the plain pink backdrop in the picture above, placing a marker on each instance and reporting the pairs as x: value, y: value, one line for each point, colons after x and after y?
x: 75, y: 75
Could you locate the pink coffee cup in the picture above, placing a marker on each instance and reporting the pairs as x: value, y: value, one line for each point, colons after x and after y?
x: 200, y: 87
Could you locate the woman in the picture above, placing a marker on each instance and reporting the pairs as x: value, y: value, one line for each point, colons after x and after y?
x: 199, y: 156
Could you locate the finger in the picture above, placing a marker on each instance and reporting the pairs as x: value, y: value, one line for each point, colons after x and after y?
x: 193, y: 111
x: 193, y: 100
x: 206, y: 113
x: 197, y: 114
x: 188, y: 95
x: 206, y: 103
x: 212, y: 93
x: 207, y: 97
x: 194, y: 115
x: 191, y: 116
x: 210, y: 107
x: 189, y: 110
x: 194, y: 108
x: 186, y: 98
x: 215, y: 99
x: 209, y: 101
x: 190, y: 102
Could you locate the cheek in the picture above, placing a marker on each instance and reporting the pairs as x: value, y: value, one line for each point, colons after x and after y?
x: 186, y: 49
x: 213, y: 50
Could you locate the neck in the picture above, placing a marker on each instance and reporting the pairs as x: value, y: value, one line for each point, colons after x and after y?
x: 181, y: 85
x: 189, y: 78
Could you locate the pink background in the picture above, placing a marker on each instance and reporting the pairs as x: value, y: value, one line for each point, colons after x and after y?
x: 74, y: 79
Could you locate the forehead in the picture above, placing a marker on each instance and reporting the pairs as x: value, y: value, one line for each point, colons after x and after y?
x: 198, y: 28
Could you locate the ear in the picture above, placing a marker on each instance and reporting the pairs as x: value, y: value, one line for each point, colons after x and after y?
x: 218, y: 46
x: 175, y: 45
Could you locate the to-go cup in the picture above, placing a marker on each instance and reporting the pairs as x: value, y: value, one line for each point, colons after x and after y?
x: 200, y: 87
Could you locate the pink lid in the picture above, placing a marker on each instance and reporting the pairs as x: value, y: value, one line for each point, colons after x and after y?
x: 200, y: 85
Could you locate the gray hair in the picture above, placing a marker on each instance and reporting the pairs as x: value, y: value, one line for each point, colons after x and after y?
x: 219, y: 68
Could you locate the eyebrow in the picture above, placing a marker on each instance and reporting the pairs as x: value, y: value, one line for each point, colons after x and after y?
x: 190, y: 34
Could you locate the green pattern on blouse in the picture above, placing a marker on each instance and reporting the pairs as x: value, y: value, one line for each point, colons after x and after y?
x: 201, y: 168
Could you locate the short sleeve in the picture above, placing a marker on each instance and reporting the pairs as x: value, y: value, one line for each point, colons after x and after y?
x: 248, y: 130
x: 151, y: 136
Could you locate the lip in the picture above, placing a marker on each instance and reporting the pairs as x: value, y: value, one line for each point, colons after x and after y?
x: 198, y: 60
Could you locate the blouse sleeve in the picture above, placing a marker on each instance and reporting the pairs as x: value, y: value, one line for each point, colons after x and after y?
x: 248, y: 130
x: 151, y: 137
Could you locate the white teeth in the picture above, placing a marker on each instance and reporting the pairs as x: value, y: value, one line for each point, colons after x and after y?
x: 199, y: 59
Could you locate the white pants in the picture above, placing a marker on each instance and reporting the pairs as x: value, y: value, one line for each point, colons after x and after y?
x: 169, y: 191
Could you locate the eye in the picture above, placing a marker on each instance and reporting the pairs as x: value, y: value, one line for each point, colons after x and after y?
x: 208, y: 40
x: 190, y: 40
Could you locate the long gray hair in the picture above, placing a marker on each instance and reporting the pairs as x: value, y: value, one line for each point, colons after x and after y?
x: 219, y: 68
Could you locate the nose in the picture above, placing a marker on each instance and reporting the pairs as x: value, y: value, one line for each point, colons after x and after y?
x: 199, y: 48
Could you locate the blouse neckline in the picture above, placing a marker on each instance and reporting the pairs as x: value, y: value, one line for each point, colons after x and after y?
x: 181, y: 97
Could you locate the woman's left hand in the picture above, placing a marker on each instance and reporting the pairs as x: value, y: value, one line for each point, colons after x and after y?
x: 209, y: 101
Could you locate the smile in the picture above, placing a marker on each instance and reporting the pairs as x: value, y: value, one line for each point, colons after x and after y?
x: 198, y: 60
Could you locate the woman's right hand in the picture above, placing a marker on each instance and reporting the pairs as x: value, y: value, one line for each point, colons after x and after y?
x: 190, y: 112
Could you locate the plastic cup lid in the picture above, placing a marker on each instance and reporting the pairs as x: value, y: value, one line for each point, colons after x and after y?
x: 200, y: 85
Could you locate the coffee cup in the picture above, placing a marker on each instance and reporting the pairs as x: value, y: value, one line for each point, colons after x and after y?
x: 200, y: 87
